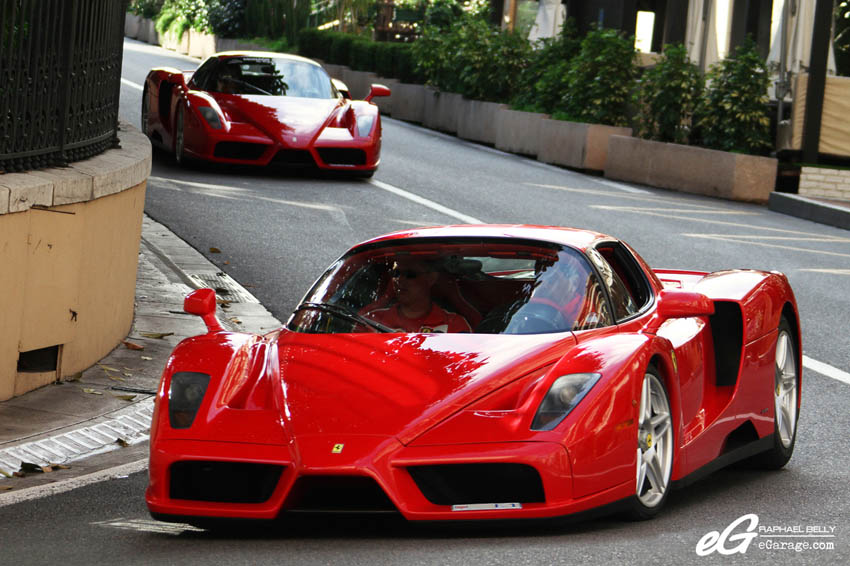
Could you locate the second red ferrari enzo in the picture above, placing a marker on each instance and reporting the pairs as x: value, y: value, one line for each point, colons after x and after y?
x: 261, y: 108
x: 480, y: 372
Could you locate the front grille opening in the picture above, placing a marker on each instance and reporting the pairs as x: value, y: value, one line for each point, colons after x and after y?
x: 239, y: 150
x: 293, y: 158
x: 342, y: 155
x: 461, y: 484
x: 338, y: 494
x: 38, y: 361
x: 224, y: 482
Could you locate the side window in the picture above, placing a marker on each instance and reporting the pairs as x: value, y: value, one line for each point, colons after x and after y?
x: 622, y: 300
x: 594, y: 311
x: 202, y: 75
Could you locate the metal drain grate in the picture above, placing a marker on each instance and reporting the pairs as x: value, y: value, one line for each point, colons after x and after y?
x: 226, y: 288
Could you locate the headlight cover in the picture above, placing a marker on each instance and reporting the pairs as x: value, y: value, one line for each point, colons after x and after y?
x: 565, y: 393
x: 364, y: 125
x: 184, y: 397
x: 211, y: 116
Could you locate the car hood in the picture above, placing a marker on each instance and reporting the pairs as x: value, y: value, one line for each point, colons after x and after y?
x: 399, y: 385
x: 292, y: 121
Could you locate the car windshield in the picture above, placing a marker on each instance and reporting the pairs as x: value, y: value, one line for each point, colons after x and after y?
x: 488, y: 286
x: 267, y: 76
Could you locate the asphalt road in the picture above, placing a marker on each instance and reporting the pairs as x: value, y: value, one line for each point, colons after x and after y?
x: 276, y: 235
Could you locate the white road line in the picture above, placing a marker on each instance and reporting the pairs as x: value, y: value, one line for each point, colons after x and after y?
x: 619, y: 186
x: 829, y: 271
x: 425, y: 202
x: 766, y: 245
x: 37, y: 492
x: 826, y: 369
x: 131, y: 84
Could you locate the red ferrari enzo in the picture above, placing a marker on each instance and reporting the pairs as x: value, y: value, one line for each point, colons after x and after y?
x: 480, y: 372
x: 260, y: 108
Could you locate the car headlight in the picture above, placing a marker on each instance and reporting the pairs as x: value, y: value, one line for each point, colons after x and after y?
x: 364, y: 125
x: 211, y: 116
x: 566, y: 392
x: 184, y: 397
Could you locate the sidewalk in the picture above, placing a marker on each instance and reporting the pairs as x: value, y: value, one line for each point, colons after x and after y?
x: 109, y: 405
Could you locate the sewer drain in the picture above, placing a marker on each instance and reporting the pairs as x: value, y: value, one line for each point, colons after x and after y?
x: 226, y: 288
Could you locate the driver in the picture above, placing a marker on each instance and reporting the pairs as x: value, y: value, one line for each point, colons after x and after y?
x: 414, y: 310
x: 225, y: 82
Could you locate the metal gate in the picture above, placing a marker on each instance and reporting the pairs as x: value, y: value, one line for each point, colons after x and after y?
x: 60, y: 79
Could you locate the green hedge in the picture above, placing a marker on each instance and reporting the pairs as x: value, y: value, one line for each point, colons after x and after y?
x: 359, y: 53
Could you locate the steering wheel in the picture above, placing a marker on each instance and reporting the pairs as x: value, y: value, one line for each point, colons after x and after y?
x: 537, y: 317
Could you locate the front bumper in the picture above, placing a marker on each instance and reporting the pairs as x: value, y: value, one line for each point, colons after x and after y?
x: 365, y: 465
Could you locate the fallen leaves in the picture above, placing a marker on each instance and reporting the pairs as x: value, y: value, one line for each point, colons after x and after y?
x: 156, y: 335
x: 30, y: 468
x: 132, y: 345
x: 6, y: 487
x: 125, y: 397
x: 147, y: 358
x: 91, y: 391
x: 215, y: 251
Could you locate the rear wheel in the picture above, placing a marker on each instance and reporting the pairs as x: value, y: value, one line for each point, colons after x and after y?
x: 179, y: 139
x: 786, y: 395
x: 654, y: 448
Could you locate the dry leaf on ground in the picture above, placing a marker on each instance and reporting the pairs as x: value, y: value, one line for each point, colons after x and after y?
x: 156, y: 335
x: 132, y: 345
x: 92, y: 391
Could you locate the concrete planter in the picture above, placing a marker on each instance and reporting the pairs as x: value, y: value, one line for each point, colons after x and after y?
x: 477, y: 120
x: 359, y: 82
x: 690, y: 169
x: 409, y: 102
x: 335, y: 71
x: 441, y: 110
x: 201, y: 45
x: 147, y: 31
x: 171, y: 41
x: 576, y: 145
x: 519, y: 132
x: 385, y: 103
x: 132, y: 24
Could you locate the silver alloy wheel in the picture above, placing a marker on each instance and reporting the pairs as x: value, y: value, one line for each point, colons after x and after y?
x: 785, y: 389
x: 655, y: 443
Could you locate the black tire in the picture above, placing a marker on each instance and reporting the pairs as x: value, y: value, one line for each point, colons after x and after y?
x: 650, y: 498
x: 145, y: 109
x: 785, y: 439
x: 179, y: 140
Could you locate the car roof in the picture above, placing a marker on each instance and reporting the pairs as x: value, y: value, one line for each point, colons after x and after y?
x: 270, y: 54
x: 573, y: 237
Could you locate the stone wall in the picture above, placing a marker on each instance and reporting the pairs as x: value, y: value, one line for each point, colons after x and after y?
x: 825, y: 183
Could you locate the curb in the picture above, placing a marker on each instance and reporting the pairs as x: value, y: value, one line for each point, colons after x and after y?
x: 810, y: 209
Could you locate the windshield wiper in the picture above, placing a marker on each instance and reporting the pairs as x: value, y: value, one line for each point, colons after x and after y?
x: 344, y: 312
x: 249, y: 85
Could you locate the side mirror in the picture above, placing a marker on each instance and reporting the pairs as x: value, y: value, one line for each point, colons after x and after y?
x: 675, y: 303
x: 202, y: 303
x: 378, y: 90
x: 342, y: 88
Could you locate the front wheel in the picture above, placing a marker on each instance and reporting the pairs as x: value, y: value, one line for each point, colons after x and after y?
x: 179, y: 137
x: 145, y: 105
x: 654, y: 452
